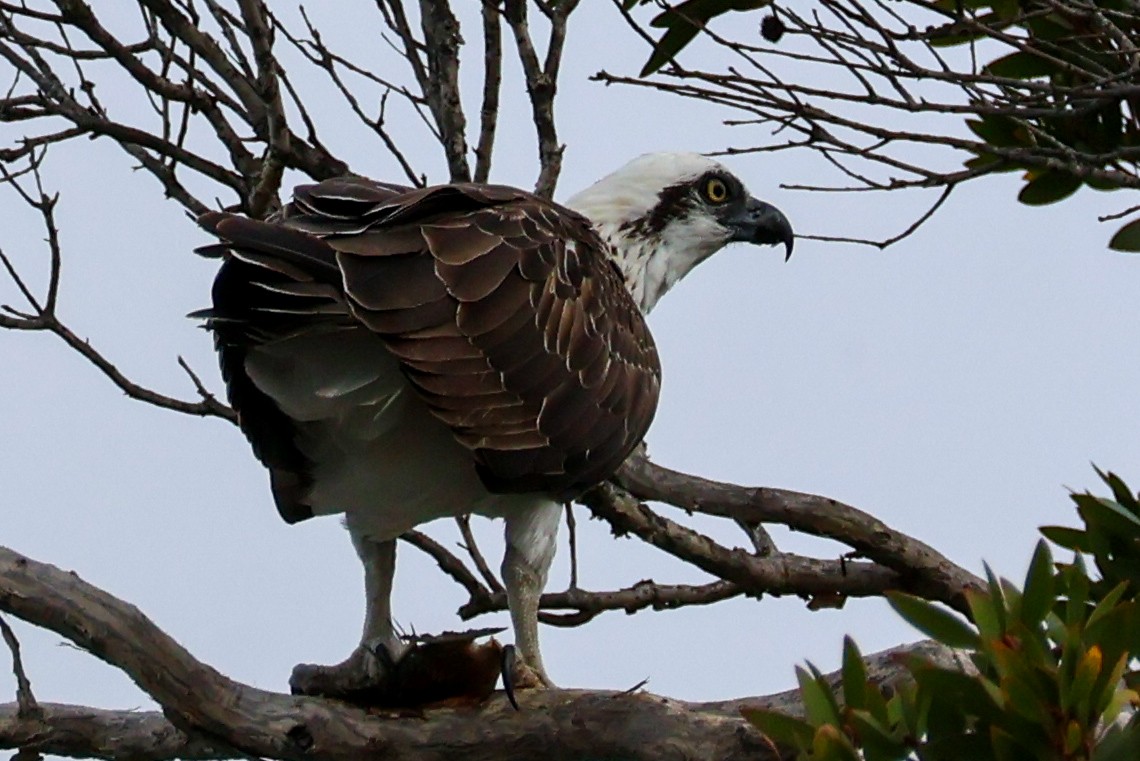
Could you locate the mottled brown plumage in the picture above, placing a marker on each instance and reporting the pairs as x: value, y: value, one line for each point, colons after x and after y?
x: 503, y: 308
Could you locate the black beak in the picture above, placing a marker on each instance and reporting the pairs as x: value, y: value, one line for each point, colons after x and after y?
x: 760, y: 222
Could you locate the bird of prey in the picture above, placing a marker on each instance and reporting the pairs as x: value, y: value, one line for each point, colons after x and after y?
x: 404, y: 354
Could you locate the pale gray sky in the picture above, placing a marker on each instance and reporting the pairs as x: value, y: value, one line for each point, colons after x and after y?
x: 953, y: 385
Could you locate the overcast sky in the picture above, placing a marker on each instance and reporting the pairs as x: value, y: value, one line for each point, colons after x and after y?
x: 954, y: 385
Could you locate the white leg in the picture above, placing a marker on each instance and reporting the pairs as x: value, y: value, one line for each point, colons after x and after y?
x: 362, y: 669
x: 531, y: 539
x: 379, y: 559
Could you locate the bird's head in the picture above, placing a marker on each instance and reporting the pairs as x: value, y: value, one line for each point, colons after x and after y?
x: 665, y: 213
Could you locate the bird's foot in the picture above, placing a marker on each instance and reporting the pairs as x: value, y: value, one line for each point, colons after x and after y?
x: 366, y: 671
x: 448, y: 669
x: 520, y: 675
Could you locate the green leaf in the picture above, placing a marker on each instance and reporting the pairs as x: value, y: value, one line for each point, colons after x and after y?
x: 1021, y: 65
x: 999, y: 131
x: 878, y: 743
x: 1040, y: 588
x: 1048, y: 187
x: 1106, y: 687
x: 1120, y: 490
x: 1127, y: 238
x: 1006, y: 9
x: 1077, y: 589
x: 1120, y: 743
x: 684, y: 21
x: 1055, y: 627
x: 1088, y: 669
x: 954, y: 692
x: 819, y: 701
x: 985, y: 614
x: 1107, y: 516
x: 855, y: 685
x: 933, y: 621
x: 997, y: 593
x: 1069, y: 538
x: 782, y: 729
x: 997, y: 164
x: 1100, y: 183
x: 830, y: 744
x: 1106, y: 604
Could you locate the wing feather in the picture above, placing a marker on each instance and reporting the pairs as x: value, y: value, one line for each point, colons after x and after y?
x: 510, y: 321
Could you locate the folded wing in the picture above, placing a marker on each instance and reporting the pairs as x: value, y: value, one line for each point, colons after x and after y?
x: 503, y: 309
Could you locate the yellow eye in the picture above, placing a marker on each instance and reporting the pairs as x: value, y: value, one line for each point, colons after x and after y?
x: 715, y: 190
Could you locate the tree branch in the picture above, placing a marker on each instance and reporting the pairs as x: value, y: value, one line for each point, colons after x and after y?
x: 207, y: 716
x: 920, y: 568
x: 566, y: 724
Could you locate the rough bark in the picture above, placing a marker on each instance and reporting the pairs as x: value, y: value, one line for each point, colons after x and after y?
x: 205, y: 715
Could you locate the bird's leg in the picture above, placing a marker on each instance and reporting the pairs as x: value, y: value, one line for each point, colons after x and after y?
x: 379, y: 560
x: 366, y: 668
x: 531, y: 539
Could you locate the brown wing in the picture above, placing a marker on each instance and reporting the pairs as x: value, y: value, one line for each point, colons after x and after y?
x: 505, y: 312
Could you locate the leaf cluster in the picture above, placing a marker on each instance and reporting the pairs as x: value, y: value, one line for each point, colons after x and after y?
x: 1052, y: 664
x: 683, y: 21
x: 1069, y: 48
x: 1058, y: 102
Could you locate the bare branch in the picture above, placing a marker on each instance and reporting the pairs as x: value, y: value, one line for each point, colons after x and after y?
x: 492, y: 80
x: 26, y: 705
x: 846, y: 80
x: 441, y: 45
x: 472, y: 547
x: 572, y: 532
x: 448, y: 563
x: 198, y: 699
x: 778, y: 574
x: 263, y: 197
x: 586, y: 605
x: 922, y: 570
x: 43, y: 316
x: 542, y: 84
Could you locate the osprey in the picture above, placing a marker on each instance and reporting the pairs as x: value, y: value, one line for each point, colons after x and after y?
x: 400, y: 355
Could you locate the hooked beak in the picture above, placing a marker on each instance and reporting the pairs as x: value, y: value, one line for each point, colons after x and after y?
x: 760, y: 222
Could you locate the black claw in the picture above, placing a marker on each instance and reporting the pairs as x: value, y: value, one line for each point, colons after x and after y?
x: 508, y: 670
x: 381, y: 652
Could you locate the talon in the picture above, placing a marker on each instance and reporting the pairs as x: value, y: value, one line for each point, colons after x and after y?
x: 507, y: 664
x: 381, y: 652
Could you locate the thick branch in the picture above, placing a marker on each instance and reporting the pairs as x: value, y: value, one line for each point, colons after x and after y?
x: 208, y: 716
x: 776, y: 574
x: 199, y: 700
x: 921, y: 568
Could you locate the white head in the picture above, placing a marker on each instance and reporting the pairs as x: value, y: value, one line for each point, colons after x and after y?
x: 665, y: 213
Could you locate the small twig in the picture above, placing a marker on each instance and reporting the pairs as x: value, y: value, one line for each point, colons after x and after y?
x: 28, y: 707
x: 882, y: 244
x: 448, y: 563
x: 200, y: 387
x: 762, y: 542
x: 586, y: 605
x: 1119, y: 214
x: 572, y: 531
x: 472, y: 548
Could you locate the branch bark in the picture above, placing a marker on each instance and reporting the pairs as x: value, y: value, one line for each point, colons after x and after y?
x: 920, y: 568
x: 220, y: 718
x: 208, y: 716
